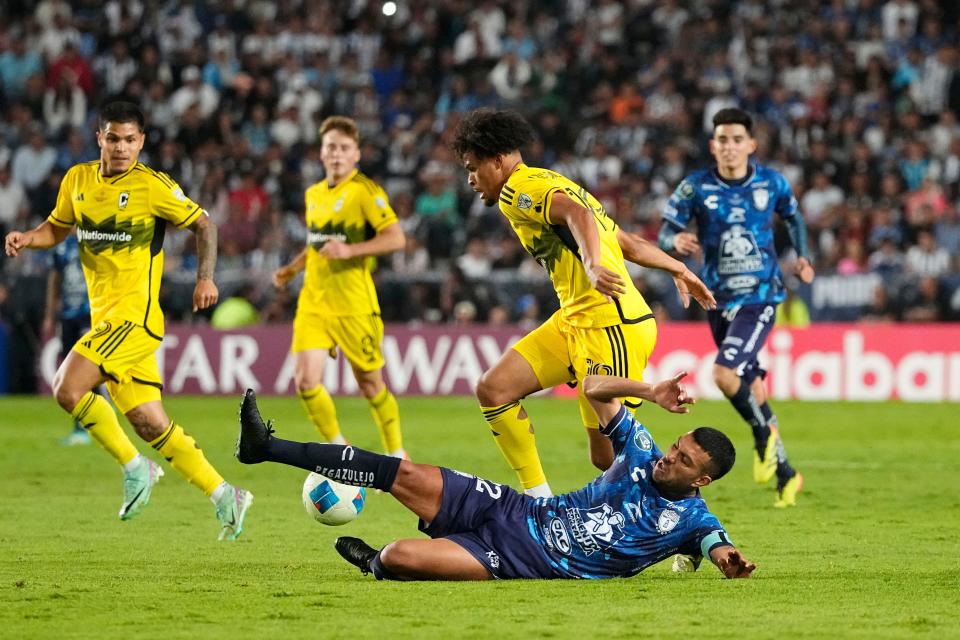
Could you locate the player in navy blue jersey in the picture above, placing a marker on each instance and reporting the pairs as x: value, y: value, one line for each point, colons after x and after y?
x: 732, y: 206
x: 643, y: 509
x: 67, y: 301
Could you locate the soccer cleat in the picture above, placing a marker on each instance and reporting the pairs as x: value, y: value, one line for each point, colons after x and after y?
x: 356, y: 552
x: 765, y: 468
x: 76, y: 437
x: 231, y: 510
x: 254, y: 434
x: 137, y: 486
x: 787, y: 494
x: 683, y: 563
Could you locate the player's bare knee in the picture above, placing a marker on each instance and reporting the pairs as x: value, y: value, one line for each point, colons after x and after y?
x: 726, y: 379
x: 305, y: 383
x: 370, y: 388
x: 66, y: 396
x: 491, y: 391
x: 398, y: 557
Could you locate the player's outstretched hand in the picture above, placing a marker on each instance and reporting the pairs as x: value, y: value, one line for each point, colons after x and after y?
x: 688, y: 284
x: 686, y: 243
x: 607, y: 282
x: 732, y: 563
x: 15, y: 241
x: 672, y: 395
x: 804, y: 270
x: 205, y: 294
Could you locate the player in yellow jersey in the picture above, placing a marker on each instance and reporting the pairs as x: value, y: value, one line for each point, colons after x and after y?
x: 349, y: 221
x: 603, y: 326
x: 121, y: 209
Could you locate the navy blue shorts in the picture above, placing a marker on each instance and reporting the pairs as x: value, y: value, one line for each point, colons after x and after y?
x: 489, y: 520
x: 739, y: 335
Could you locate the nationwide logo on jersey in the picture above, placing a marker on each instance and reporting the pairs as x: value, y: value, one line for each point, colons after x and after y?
x: 524, y: 201
x: 558, y: 533
x: 596, y: 529
x: 739, y: 252
x: 643, y: 441
x: 667, y: 521
x: 760, y: 198
x: 318, y: 236
x: 123, y: 200
x: 113, y: 235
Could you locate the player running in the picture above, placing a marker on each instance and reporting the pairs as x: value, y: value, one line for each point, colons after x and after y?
x: 733, y: 206
x: 603, y: 325
x: 349, y: 221
x: 121, y: 209
x: 643, y: 509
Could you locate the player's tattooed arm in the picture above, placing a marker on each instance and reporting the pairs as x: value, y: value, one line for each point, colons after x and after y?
x: 205, y: 293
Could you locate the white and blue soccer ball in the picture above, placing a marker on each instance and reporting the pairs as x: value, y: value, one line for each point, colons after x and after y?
x: 330, y: 502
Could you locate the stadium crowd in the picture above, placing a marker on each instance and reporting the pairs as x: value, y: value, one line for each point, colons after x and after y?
x: 856, y: 103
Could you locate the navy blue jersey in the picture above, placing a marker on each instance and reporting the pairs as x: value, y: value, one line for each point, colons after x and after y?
x: 735, y: 230
x: 65, y: 258
x: 619, y: 524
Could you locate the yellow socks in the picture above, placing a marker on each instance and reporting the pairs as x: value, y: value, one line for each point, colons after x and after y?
x: 386, y: 413
x: 95, y: 414
x: 319, y: 407
x: 514, y: 436
x: 183, y: 453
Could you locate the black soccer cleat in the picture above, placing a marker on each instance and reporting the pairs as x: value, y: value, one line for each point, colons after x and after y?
x: 254, y: 434
x: 356, y: 552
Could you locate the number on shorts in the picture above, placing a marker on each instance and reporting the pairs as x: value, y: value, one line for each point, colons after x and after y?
x: 492, y: 489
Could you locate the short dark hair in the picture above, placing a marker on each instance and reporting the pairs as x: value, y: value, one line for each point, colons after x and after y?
x: 718, y: 446
x: 120, y: 111
x: 487, y: 133
x: 733, y: 116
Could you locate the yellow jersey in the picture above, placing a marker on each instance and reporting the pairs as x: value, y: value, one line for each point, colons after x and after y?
x: 353, y: 211
x: 525, y: 202
x: 120, y: 223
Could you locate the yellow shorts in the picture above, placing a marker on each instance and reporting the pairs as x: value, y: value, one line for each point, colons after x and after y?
x: 561, y: 353
x: 359, y: 337
x: 126, y: 355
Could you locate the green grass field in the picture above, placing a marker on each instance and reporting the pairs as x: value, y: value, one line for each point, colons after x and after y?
x: 871, y: 551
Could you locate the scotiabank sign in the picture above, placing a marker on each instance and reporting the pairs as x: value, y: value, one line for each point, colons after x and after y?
x: 823, y: 362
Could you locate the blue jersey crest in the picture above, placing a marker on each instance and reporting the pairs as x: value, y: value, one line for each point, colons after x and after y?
x: 619, y: 524
x: 735, y: 230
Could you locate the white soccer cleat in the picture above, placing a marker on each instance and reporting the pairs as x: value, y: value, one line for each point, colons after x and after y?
x: 137, y: 486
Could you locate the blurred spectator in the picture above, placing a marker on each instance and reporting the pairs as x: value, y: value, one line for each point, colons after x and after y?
x: 926, y: 258
x: 855, y: 102
x: 33, y: 161
x: 13, y: 200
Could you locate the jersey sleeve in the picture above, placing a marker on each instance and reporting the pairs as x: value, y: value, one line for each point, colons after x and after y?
x: 63, y: 213
x: 168, y: 201
x: 376, y: 208
x: 620, y: 429
x: 531, y: 198
x: 786, y: 204
x: 679, y: 208
x: 708, y: 535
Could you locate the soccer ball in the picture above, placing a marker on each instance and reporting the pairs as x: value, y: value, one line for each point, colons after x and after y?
x: 329, y: 502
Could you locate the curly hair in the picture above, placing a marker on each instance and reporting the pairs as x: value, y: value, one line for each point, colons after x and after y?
x: 487, y: 133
